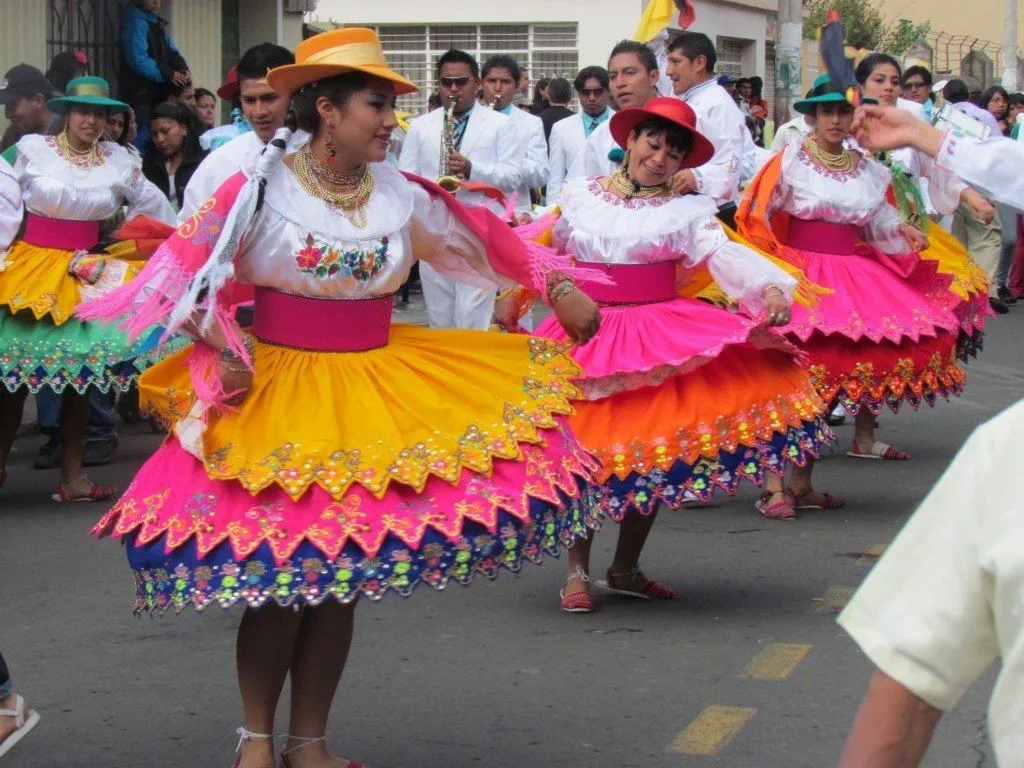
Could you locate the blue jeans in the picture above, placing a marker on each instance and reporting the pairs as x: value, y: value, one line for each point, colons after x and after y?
x: 101, y: 414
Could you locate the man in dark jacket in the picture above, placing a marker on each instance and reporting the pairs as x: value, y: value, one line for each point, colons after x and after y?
x: 150, y: 62
x: 559, y: 94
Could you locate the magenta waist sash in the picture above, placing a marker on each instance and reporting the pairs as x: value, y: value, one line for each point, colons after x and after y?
x: 633, y: 283
x: 319, y: 324
x: 60, y: 233
x: 823, y: 236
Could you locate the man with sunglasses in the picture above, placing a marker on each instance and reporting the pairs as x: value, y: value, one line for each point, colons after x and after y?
x: 486, y: 147
x: 569, y: 136
x: 917, y: 87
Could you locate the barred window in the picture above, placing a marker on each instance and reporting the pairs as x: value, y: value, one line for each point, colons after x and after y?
x: 543, y: 50
x: 730, y: 56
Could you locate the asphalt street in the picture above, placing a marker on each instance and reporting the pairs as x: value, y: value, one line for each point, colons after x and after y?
x: 748, y: 668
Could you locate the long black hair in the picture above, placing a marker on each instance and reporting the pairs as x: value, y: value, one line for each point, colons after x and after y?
x: 991, y: 91
x: 871, y: 62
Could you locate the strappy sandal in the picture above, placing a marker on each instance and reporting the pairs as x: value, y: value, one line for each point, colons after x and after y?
x: 581, y: 602
x: 96, y: 493
x: 651, y: 590
x: 878, y: 450
x: 780, y: 510
x: 828, y: 502
x: 24, y: 721
x: 306, y: 741
x: 244, y: 736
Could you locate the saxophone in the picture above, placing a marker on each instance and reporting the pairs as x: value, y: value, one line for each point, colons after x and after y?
x: 446, y: 179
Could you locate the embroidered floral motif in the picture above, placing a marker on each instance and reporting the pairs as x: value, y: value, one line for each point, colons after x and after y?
x: 309, y: 576
x: 644, y: 491
x: 867, y: 386
x: 95, y: 162
x: 706, y: 440
x: 208, y: 227
x: 191, y: 225
x: 825, y: 173
x: 597, y: 189
x: 324, y: 261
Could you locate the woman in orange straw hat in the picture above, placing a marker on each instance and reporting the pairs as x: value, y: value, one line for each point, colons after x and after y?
x: 327, y: 456
x: 679, y: 395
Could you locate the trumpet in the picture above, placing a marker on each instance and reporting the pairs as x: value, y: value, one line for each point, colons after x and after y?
x: 494, y: 101
x: 446, y: 179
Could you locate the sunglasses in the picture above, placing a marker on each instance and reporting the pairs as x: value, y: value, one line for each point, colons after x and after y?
x: 593, y: 91
x: 451, y: 82
x: 915, y: 85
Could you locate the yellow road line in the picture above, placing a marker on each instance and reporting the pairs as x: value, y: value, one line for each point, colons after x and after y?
x: 712, y: 730
x: 834, y: 600
x: 869, y: 557
x: 776, y: 661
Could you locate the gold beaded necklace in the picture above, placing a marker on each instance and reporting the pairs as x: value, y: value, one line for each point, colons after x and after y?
x: 80, y: 158
x: 349, y: 191
x: 843, y: 162
x: 620, y: 181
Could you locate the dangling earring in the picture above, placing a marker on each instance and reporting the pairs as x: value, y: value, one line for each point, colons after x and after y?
x: 331, y: 153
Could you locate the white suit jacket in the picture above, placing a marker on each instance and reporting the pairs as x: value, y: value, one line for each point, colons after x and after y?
x: 568, y: 138
x: 490, y: 143
x: 532, y: 155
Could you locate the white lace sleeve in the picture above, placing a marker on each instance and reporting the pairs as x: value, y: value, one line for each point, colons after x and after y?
x: 741, y: 272
x: 11, y: 209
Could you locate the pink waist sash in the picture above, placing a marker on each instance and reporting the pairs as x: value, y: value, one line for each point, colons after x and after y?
x: 60, y: 233
x: 321, y: 325
x: 633, y: 283
x: 823, y: 236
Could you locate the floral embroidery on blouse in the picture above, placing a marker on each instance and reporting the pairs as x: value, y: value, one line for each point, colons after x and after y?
x: 97, y: 160
x: 324, y: 261
x: 597, y: 189
x: 825, y: 173
x: 208, y: 227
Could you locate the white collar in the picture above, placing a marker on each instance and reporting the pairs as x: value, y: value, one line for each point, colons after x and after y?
x: 699, y: 88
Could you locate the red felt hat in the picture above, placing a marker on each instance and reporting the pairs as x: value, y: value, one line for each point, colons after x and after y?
x: 229, y: 88
x: 664, y: 108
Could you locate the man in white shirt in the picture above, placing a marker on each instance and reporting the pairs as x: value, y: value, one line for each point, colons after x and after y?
x: 943, y: 604
x: 264, y: 108
x: 569, y: 136
x: 691, y: 68
x: 486, y: 147
x: 501, y: 75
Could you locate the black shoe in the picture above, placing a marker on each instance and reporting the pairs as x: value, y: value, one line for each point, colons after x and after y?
x: 1005, y: 296
x: 99, y: 452
x: 997, y: 306
x: 49, y: 455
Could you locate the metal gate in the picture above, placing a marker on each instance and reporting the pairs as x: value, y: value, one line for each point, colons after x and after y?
x: 92, y: 26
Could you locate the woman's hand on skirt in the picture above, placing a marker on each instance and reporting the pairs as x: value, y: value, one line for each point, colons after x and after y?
x: 506, y: 311
x: 777, y: 308
x: 236, y: 381
x: 578, y: 315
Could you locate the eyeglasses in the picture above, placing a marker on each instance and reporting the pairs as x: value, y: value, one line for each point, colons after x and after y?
x: 451, y: 82
x: 913, y: 86
x: 592, y: 91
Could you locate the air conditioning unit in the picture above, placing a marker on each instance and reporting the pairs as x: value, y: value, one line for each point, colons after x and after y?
x: 299, y: 6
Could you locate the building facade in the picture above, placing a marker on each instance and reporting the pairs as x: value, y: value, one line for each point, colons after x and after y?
x: 551, y: 39
x: 210, y: 33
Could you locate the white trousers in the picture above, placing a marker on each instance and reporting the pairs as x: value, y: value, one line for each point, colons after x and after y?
x: 451, y: 304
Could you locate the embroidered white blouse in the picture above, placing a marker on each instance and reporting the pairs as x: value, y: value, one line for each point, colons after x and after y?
x: 598, y: 227
x: 298, y: 243
x: 51, y: 186
x: 809, y: 191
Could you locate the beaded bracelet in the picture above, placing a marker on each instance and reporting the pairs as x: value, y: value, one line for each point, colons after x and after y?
x: 560, y: 291
x: 229, y: 356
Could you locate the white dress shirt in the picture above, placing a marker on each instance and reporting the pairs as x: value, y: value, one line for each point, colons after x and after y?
x: 568, y: 138
x: 532, y: 155
x: 947, y: 599
x: 490, y: 143
x: 223, y: 163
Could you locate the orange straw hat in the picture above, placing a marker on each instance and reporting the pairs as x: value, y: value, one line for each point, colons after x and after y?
x: 351, y: 49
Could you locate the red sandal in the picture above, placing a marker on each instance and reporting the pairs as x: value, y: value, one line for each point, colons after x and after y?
x: 780, y: 510
x: 96, y: 493
x: 581, y: 602
x: 306, y: 741
x: 651, y: 590
x: 828, y: 502
x: 878, y: 450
